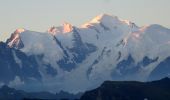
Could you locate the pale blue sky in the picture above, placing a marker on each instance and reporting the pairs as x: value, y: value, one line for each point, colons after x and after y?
x: 39, y: 15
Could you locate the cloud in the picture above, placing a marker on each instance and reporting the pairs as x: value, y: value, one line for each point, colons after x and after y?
x: 17, y: 81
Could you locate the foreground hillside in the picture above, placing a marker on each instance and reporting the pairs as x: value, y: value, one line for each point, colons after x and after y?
x: 130, y: 90
x: 109, y: 90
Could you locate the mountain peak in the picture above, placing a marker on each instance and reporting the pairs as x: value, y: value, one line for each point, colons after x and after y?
x: 67, y: 27
x: 104, y: 18
x: 52, y: 30
x: 109, y: 21
x: 19, y: 30
x: 15, y: 37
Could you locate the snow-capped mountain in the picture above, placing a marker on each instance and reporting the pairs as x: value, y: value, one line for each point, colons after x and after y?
x: 76, y: 59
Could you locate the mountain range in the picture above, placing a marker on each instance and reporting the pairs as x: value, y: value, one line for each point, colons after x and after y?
x: 76, y: 59
x: 8, y: 93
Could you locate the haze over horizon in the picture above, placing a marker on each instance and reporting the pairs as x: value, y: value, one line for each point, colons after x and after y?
x: 38, y: 15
